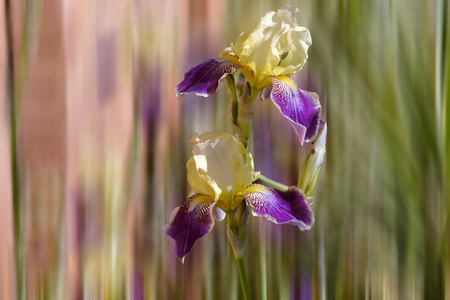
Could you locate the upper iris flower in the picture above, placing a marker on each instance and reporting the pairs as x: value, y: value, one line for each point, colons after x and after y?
x: 221, y: 173
x: 275, y: 49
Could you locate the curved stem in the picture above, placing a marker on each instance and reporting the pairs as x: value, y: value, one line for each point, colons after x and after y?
x: 272, y: 183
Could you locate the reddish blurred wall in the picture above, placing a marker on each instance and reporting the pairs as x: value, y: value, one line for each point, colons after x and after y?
x: 78, y: 96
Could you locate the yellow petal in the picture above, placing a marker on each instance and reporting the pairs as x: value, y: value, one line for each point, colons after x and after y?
x: 229, y: 55
x: 239, y: 42
x: 295, y: 60
x: 218, y: 168
x: 276, y: 46
x: 195, y: 181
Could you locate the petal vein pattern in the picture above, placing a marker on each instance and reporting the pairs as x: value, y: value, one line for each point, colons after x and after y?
x: 204, y: 78
x: 189, y: 222
x: 280, y: 207
x: 301, y: 108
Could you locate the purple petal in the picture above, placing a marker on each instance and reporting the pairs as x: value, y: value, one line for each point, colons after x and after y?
x: 301, y: 108
x: 280, y: 207
x: 204, y: 78
x: 189, y: 222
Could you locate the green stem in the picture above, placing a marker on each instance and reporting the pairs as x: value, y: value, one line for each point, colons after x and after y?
x: 244, y: 282
x: 272, y: 183
x: 235, y: 104
x: 246, y: 113
x: 230, y: 217
x: 238, y: 256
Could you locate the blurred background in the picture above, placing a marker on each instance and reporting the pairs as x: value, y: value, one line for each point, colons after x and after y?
x: 94, y: 143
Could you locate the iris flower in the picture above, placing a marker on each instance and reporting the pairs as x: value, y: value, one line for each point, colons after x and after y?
x: 275, y: 49
x: 221, y: 173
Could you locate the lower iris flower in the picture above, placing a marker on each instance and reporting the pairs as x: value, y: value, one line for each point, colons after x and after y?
x: 221, y: 173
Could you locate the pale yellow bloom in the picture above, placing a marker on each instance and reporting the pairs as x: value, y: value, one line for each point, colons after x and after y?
x: 276, y: 46
x: 217, y: 167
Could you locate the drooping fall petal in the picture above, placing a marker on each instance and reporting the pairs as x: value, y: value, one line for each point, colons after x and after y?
x: 204, y: 78
x: 189, y: 222
x: 280, y: 207
x: 301, y: 108
x: 313, y: 162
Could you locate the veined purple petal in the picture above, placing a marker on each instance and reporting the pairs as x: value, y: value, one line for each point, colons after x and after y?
x: 189, y: 222
x: 301, y: 108
x: 204, y: 78
x: 280, y: 207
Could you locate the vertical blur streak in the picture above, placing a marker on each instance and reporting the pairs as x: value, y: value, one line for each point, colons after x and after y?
x: 445, y: 44
x: 7, y: 256
x: 103, y: 142
x: 381, y: 57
